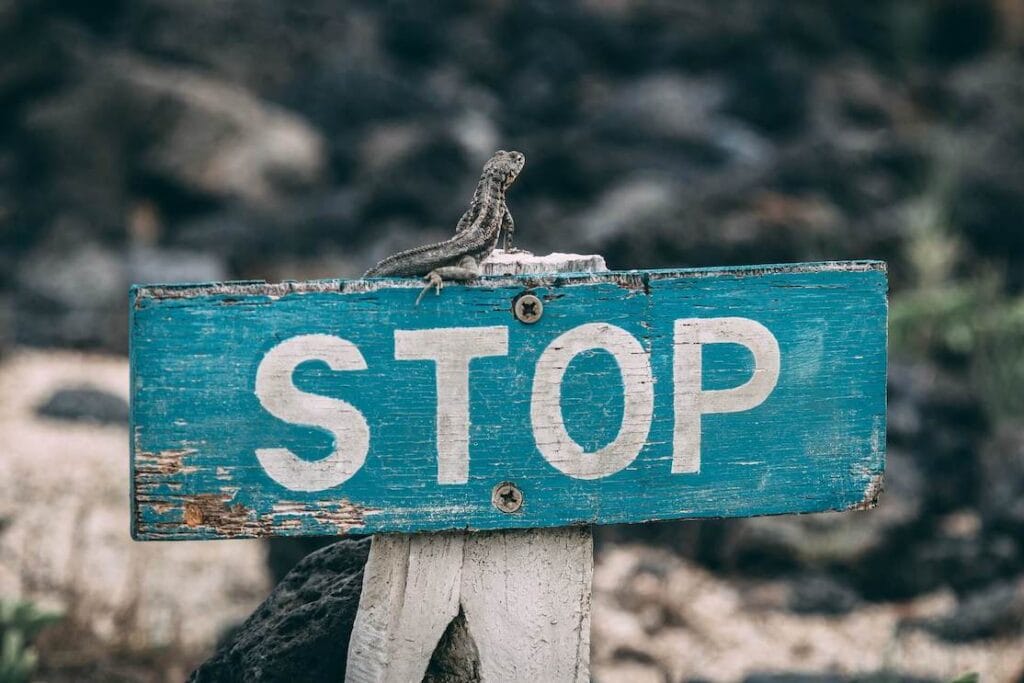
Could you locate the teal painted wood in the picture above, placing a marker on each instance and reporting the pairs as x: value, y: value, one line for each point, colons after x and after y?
x: 816, y: 442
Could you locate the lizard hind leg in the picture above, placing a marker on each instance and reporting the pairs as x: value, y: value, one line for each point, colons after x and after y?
x: 468, y: 269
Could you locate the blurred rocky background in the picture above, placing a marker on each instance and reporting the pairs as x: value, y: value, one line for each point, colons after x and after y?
x: 185, y: 140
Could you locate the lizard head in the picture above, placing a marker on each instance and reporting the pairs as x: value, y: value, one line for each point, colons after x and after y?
x: 505, y: 166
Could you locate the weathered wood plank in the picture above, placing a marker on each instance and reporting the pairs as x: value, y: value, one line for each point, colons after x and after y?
x: 229, y: 439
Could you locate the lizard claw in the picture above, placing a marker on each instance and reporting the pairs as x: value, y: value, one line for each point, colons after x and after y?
x: 433, y: 280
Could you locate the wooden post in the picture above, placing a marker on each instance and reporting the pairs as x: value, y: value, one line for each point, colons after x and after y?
x: 524, y: 595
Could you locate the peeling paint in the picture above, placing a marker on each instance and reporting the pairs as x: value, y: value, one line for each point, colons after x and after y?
x: 871, y: 493
x: 164, y: 463
x: 629, y: 279
x: 227, y: 519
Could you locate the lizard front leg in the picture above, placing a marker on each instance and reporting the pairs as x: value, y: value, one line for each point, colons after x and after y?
x: 467, y: 269
x: 509, y: 226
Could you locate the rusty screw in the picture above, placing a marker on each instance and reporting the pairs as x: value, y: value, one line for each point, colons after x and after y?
x: 507, y: 497
x: 528, y: 308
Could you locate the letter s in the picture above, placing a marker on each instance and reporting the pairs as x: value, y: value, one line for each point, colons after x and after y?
x: 280, y: 397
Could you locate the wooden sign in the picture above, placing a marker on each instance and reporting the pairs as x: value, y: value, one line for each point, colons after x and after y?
x: 336, y: 407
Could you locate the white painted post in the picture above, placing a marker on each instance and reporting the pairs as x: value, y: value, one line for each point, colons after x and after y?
x: 524, y: 594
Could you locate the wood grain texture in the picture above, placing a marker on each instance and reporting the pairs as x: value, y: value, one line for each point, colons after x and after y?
x: 816, y: 442
x: 411, y: 591
x: 525, y: 596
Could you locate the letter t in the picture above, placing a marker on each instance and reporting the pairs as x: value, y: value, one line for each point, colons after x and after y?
x: 451, y: 349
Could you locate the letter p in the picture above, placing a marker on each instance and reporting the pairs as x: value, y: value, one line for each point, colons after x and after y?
x: 691, y: 400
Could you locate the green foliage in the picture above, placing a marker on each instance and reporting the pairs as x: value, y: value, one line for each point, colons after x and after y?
x: 973, y: 324
x: 20, y: 623
x: 957, y: 310
x: 940, y: 321
x: 972, y: 677
x: 998, y: 360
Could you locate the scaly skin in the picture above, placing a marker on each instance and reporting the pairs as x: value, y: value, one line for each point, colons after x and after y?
x: 476, y: 234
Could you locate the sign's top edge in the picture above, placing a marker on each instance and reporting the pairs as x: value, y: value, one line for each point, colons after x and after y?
x: 356, y: 285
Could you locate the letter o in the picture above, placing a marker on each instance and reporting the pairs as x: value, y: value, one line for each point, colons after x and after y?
x: 549, y: 431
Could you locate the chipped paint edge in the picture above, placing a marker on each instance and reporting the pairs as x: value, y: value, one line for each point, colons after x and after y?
x: 632, y: 279
x: 215, y: 513
x: 873, y: 490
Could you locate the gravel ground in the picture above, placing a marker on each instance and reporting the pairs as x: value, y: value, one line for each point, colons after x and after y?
x: 659, y: 618
x: 64, y: 540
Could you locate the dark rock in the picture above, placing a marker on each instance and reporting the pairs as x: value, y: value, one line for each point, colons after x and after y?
x: 939, y: 421
x: 770, y: 90
x: 247, y: 242
x: 192, y: 130
x: 85, y: 404
x: 285, y: 552
x: 289, y: 45
x: 77, y: 294
x: 958, y: 30
x: 995, y: 611
x: 964, y: 562
x: 766, y: 545
x: 987, y: 98
x: 342, y: 96
x: 165, y: 266
x: 301, y: 631
x: 617, y: 212
x: 1001, y: 493
x: 70, y: 296
x: 412, y: 182
x: 821, y: 594
x: 456, y: 659
x: 410, y: 32
x: 680, y: 111
x: 6, y: 324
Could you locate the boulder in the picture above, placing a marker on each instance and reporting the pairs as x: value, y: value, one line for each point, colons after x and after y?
x: 70, y: 296
x: 85, y: 404
x: 819, y: 593
x: 994, y: 611
x: 301, y: 631
x: 1001, y: 485
x: 187, y: 131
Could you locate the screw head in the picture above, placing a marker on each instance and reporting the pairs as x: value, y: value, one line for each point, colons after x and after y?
x: 528, y: 308
x: 507, y: 497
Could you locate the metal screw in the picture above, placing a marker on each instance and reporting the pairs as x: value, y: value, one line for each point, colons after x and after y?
x: 507, y: 497
x: 528, y: 308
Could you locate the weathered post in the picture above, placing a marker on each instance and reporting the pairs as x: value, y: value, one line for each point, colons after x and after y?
x: 481, y: 433
x: 523, y: 595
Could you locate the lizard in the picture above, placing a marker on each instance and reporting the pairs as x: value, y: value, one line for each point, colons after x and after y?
x: 476, y: 234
